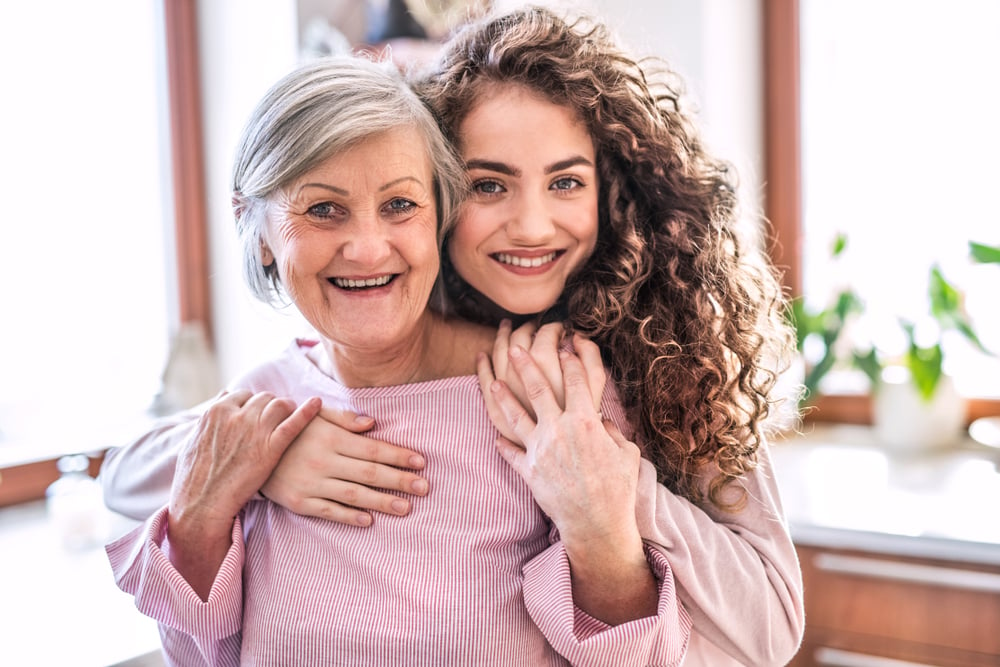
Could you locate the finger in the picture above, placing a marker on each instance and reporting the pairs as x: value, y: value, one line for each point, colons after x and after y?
x: 236, y: 397
x: 615, y: 432
x: 369, y: 450
x: 593, y: 364
x: 578, y: 396
x: 620, y: 439
x: 291, y: 425
x: 486, y: 379
x: 322, y: 508
x: 536, y: 386
x: 545, y: 351
x: 513, y: 414
x: 524, y: 335
x: 364, y: 498
x: 501, y: 346
x: 346, y: 419
x: 514, y: 455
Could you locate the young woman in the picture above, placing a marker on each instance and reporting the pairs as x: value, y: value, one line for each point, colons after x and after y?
x: 593, y: 203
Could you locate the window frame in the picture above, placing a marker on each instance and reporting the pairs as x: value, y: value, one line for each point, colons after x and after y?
x: 783, y: 188
x: 28, y: 481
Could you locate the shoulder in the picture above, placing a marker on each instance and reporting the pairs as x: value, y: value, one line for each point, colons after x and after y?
x: 280, y: 373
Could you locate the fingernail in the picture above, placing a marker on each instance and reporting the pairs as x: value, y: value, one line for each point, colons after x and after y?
x: 564, y: 354
x: 364, y: 519
x: 362, y: 419
x: 416, y: 462
x: 419, y: 486
x: 516, y: 351
x: 495, y: 386
x: 400, y: 506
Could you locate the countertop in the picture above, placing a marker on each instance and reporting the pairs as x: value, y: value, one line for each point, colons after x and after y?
x: 60, y: 607
x: 841, y: 489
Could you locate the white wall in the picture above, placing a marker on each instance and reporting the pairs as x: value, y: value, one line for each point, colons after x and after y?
x: 247, y: 44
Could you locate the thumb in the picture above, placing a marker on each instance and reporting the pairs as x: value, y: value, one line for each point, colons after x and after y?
x: 347, y: 420
x: 513, y: 454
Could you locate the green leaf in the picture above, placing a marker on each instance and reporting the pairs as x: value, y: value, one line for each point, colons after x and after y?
x: 984, y: 254
x: 839, y: 244
x: 925, y: 364
x: 869, y: 365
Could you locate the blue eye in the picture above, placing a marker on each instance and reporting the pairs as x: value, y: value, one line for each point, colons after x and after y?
x: 567, y: 183
x: 487, y: 187
x: 400, y: 206
x: 322, y: 210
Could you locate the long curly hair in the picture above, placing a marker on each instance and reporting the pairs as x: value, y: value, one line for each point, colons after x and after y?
x: 684, y: 305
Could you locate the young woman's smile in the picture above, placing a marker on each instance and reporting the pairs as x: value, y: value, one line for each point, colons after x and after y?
x: 531, y: 219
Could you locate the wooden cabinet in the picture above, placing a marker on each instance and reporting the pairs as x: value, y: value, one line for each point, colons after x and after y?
x: 870, y: 610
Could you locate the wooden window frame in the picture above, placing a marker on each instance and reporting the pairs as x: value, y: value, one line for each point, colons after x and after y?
x: 28, y: 481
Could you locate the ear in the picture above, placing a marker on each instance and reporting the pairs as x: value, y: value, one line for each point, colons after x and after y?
x: 266, y: 256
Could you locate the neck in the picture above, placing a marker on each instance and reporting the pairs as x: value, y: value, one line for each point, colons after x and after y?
x: 437, y: 348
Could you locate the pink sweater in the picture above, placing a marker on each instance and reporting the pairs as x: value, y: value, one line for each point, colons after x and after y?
x: 737, y: 575
x: 474, y: 575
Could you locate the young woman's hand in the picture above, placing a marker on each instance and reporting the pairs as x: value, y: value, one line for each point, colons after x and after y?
x: 543, y: 345
x: 332, y: 471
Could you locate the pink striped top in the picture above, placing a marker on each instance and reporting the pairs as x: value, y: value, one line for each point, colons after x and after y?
x: 474, y: 575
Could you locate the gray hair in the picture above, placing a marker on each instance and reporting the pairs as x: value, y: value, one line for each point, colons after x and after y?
x: 318, y: 110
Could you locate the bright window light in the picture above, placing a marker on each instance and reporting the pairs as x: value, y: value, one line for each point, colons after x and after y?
x: 85, y: 297
x: 900, y: 153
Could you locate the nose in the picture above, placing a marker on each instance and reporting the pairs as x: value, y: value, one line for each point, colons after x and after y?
x: 368, y: 242
x: 532, y: 222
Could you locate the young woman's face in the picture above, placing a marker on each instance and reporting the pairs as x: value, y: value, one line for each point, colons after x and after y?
x: 531, y: 219
x: 355, y: 241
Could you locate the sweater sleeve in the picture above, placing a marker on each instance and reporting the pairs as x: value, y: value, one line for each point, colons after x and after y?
x: 193, y: 632
x: 136, y: 477
x: 737, y: 573
x: 654, y: 641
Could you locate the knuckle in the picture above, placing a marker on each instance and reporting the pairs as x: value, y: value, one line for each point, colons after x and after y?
x: 368, y: 473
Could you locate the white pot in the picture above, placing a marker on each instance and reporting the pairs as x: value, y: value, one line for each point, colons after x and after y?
x: 904, y: 422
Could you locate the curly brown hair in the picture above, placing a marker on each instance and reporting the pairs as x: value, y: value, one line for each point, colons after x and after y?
x: 686, y: 311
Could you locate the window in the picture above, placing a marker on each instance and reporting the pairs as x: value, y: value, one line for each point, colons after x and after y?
x: 880, y: 127
x: 90, y: 290
x: 85, y: 297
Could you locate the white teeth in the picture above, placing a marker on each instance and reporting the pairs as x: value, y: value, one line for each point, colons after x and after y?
x: 527, y: 262
x: 349, y: 283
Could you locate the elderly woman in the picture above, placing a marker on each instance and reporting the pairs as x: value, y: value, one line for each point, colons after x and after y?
x: 341, y: 182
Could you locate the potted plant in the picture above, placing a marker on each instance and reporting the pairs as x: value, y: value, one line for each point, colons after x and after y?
x: 915, y: 403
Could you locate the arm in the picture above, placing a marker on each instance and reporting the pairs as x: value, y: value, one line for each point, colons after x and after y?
x: 185, y: 566
x: 599, y: 594
x: 331, y: 471
x: 737, y: 573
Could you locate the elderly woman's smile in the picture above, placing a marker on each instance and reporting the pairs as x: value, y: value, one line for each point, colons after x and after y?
x: 355, y: 244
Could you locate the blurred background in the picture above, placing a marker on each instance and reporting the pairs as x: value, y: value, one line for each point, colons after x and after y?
x: 865, y: 137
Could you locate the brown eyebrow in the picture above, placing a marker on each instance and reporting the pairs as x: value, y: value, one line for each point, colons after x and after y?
x: 502, y: 168
x: 567, y: 163
x: 489, y: 165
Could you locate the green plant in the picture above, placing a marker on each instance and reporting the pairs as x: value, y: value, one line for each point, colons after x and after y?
x: 923, y: 361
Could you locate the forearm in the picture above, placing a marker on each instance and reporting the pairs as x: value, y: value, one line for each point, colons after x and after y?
x: 197, y: 550
x: 137, y: 476
x: 613, y: 585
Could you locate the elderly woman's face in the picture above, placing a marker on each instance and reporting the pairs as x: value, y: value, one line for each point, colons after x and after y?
x: 355, y: 241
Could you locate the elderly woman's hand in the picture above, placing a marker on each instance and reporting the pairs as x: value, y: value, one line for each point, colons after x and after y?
x: 332, y: 471
x: 238, y: 442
